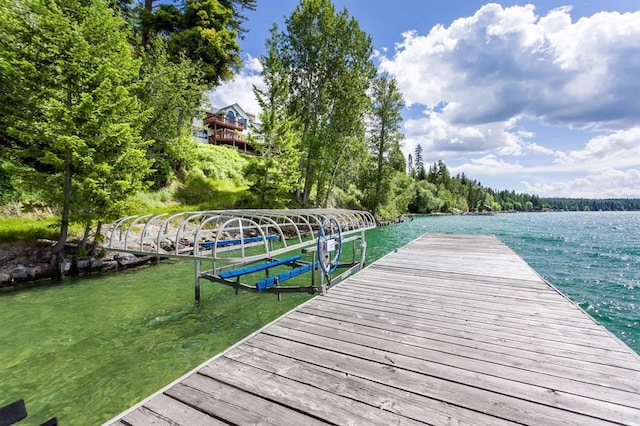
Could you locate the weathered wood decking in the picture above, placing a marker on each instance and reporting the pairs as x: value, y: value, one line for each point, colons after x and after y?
x: 447, y: 330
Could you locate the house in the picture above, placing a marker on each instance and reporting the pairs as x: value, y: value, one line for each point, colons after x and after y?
x: 228, y: 126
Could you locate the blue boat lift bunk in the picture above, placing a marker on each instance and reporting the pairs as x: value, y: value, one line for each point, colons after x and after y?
x: 252, y: 250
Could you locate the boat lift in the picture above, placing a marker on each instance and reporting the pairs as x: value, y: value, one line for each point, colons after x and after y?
x: 252, y: 250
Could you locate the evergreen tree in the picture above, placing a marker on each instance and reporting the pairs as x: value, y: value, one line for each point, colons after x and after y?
x: 80, y: 136
x: 411, y: 171
x: 204, y: 31
x: 419, y: 163
x: 172, y: 91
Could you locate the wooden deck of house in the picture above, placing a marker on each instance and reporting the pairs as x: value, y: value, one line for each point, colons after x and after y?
x: 448, y: 329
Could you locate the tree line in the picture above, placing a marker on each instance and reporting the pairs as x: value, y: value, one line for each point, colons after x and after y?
x: 436, y: 191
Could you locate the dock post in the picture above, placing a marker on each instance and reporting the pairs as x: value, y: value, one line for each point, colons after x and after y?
x: 197, y: 281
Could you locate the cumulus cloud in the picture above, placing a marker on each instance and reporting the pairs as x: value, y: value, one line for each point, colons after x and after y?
x: 240, y: 89
x: 618, y: 149
x: 488, y: 165
x: 502, y: 64
x: 608, y: 183
x: 441, y: 138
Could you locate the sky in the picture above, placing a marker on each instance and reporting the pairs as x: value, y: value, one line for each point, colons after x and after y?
x: 541, y: 97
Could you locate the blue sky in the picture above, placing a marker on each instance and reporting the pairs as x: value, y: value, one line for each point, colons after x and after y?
x: 541, y: 97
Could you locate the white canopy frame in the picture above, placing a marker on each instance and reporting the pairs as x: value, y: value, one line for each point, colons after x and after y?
x: 231, y: 238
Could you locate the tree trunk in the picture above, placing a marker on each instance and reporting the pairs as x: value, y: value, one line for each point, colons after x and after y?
x: 332, y: 180
x: 66, y: 206
x: 58, y: 249
x: 85, y: 237
x: 146, y: 31
x: 378, y: 187
x: 97, y: 239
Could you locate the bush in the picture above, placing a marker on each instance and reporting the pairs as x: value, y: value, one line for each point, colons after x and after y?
x: 219, y: 163
x: 209, y: 193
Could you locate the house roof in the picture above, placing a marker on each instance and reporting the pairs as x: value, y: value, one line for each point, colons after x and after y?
x: 237, y: 108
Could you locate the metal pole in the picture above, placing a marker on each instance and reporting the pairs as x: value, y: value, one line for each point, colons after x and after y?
x: 197, y: 285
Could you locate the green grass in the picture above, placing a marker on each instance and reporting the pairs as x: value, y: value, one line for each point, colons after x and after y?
x: 28, y: 229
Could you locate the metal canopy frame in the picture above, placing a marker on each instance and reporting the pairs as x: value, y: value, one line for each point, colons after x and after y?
x: 232, y: 238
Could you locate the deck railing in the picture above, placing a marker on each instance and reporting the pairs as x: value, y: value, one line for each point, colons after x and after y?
x: 223, y: 121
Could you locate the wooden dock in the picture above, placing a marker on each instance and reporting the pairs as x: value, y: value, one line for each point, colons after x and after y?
x: 449, y: 329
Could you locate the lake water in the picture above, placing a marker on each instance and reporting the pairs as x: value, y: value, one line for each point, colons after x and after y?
x: 86, y: 349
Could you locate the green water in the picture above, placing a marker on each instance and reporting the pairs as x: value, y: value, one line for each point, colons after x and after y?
x: 89, y: 348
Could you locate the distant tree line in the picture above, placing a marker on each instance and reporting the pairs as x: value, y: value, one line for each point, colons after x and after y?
x: 585, y: 204
x: 436, y: 191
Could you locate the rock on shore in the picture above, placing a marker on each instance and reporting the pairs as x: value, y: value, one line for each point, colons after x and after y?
x: 22, y: 262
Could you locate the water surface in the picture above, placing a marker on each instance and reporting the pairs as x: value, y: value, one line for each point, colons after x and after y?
x: 87, y: 349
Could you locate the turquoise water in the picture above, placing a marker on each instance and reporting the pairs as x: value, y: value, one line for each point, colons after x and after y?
x: 88, y: 348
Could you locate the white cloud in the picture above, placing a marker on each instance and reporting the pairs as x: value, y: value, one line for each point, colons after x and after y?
x: 488, y: 165
x: 240, y: 89
x: 503, y: 64
x: 605, y: 184
x: 616, y: 150
x: 535, y: 148
x: 440, y: 138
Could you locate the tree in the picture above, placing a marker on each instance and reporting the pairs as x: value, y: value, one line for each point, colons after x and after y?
x: 419, y: 163
x: 425, y: 199
x: 204, y: 31
x: 411, y: 171
x: 327, y: 58
x: 384, y: 137
x: 80, y: 137
x: 171, y: 90
x: 276, y: 173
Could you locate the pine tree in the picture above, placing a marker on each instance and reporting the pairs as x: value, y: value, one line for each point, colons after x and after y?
x: 80, y: 136
x: 419, y: 163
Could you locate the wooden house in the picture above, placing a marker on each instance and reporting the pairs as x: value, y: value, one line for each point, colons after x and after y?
x: 227, y: 126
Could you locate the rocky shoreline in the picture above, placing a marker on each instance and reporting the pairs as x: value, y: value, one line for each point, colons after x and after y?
x: 22, y: 263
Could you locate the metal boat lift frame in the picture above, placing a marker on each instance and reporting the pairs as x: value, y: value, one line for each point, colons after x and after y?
x: 232, y: 239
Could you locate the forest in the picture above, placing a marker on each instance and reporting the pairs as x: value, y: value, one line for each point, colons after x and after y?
x: 97, y: 99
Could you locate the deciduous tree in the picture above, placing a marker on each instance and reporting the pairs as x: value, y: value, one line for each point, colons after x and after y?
x: 384, y: 138
x: 327, y: 58
x: 276, y: 172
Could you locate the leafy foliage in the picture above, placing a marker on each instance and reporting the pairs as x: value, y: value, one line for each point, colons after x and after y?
x: 275, y: 174
x: 78, y: 131
x: 219, y: 163
x: 172, y: 90
x: 327, y: 58
x: 384, y: 141
x: 203, y: 31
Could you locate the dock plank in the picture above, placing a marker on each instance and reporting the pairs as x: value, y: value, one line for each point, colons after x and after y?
x: 449, y: 329
x: 409, y: 358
